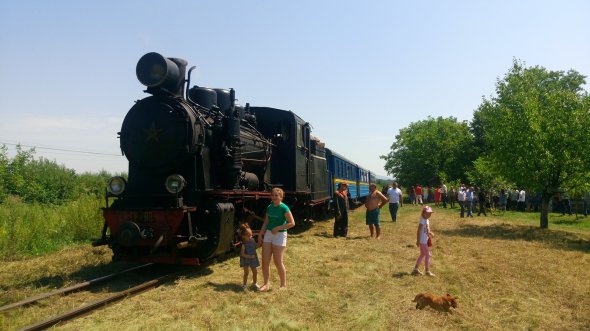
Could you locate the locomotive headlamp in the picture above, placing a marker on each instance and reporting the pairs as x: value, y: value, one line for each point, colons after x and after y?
x: 154, y: 70
x: 116, y: 185
x: 175, y: 183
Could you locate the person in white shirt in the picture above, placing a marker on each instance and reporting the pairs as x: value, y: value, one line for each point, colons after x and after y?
x: 394, y: 195
x: 461, y: 196
x: 521, y: 205
x: 443, y: 191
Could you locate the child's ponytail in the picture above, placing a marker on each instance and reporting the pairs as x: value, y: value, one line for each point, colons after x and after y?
x: 245, y: 228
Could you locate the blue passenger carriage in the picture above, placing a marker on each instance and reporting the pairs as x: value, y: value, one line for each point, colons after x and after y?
x: 342, y: 170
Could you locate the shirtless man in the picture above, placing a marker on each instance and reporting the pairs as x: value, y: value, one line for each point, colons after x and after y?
x: 375, y: 200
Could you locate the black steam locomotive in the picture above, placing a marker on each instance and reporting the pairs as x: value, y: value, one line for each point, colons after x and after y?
x: 200, y: 164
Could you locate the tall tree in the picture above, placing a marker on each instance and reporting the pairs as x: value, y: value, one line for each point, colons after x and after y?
x: 536, y: 130
x: 433, y: 147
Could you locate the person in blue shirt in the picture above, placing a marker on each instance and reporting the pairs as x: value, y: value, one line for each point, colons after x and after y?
x: 248, y: 256
x: 469, y: 201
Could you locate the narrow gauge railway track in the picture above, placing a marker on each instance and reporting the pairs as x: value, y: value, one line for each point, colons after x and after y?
x: 87, y: 308
x: 72, y: 314
x: 70, y: 289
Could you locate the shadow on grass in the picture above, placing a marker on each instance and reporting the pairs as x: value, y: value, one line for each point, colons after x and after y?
x: 554, y: 238
x: 117, y: 283
x: 83, y: 274
x: 302, y: 226
x: 324, y: 235
x: 233, y: 287
x: 359, y: 237
x: 327, y: 235
x: 401, y: 274
x: 566, y: 221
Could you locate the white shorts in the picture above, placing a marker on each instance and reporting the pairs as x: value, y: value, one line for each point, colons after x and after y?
x: 279, y: 239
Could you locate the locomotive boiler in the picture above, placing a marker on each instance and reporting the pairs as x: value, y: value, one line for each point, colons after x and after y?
x: 200, y: 164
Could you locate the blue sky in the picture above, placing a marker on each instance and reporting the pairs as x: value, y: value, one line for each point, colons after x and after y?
x: 358, y: 71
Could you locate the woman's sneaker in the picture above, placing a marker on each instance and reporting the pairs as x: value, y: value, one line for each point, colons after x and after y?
x: 428, y: 273
x: 416, y: 272
x: 245, y: 287
x: 255, y: 287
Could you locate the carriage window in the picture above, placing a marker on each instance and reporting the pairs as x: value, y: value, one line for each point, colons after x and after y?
x: 299, y: 136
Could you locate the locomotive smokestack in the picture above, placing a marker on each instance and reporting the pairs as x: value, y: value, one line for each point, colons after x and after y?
x: 182, y: 73
x: 160, y: 73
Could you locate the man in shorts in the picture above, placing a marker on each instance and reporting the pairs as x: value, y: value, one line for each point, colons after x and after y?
x: 375, y: 200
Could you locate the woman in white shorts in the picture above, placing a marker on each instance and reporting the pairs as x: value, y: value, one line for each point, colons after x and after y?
x: 274, y: 229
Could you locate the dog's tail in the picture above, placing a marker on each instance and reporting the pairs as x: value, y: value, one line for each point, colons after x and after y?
x: 417, y: 297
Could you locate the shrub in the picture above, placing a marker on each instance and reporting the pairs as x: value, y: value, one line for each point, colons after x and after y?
x: 35, y: 229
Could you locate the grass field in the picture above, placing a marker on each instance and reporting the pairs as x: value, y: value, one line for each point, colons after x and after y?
x: 506, y: 272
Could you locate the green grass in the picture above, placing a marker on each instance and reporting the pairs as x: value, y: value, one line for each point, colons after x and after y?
x: 506, y: 272
x: 35, y: 229
x: 575, y: 222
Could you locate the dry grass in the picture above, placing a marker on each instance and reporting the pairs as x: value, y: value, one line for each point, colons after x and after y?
x: 506, y: 277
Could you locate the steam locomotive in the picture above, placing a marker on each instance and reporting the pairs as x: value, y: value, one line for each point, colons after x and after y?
x: 200, y: 164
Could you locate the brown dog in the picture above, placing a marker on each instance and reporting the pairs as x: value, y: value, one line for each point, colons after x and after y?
x: 440, y: 303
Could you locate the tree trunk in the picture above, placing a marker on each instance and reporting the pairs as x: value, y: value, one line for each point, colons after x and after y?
x: 545, y: 211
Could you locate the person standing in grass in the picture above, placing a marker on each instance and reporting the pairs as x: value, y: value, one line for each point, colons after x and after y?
x: 395, y: 200
x: 422, y: 241
x: 374, y: 202
x: 248, y: 257
x: 418, y: 191
x: 481, y: 199
x: 273, y: 236
x: 502, y: 199
x: 469, y: 198
x: 341, y: 208
x: 443, y: 193
x: 461, y: 197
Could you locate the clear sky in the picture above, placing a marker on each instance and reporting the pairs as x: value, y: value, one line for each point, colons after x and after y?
x: 358, y: 71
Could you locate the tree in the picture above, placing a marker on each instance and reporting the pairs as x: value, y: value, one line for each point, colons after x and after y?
x: 485, y: 176
x: 44, y: 181
x: 428, y: 149
x: 3, y: 171
x: 536, y: 130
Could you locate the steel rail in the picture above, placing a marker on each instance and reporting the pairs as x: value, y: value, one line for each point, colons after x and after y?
x: 97, y: 304
x: 70, y: 289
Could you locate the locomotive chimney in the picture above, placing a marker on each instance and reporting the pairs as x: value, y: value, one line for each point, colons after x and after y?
x: 182, y: 73
x: 160, y: 73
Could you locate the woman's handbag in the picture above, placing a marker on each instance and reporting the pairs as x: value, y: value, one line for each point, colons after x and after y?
x: 429, y: 243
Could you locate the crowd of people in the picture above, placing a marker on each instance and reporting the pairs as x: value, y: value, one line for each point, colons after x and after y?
x: 469, y: 199
x: 273, y: 235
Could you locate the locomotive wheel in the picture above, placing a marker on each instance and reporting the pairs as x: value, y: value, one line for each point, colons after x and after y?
x: 129, y: 234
